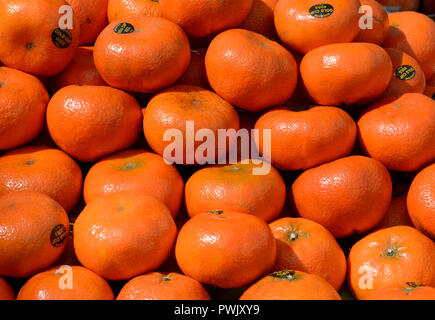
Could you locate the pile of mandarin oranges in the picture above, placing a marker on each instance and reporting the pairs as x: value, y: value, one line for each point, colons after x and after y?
x: 323, y: 187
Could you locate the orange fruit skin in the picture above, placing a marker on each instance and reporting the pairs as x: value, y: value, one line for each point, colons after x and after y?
x: 260, y: 18
x: 86, y: 285
x: 421, y: 201
x: 397, y: 86
x: 403, y: 291
x: 413, y: 33
x: 23, y: 100
x: 126, y: 9
x: 235, y: 188
x: 346, y: 196
x: 6, y: 292
x: 171, y: 108
x: 225, y: 249
x: 397, y: 214
x: 430, y: 88
x: 307, y: 138
x: 92, y: 18
x: 302, y: 32
x: 135, y: 171
x: 202, y: 18
x: 46, y: 170
x: 405, y: 5
x: 161, y: 58
x: 305, y: 245
x: 305, y: 286
x: 381, y: 24
x: 29, y: 221
x: 195, y: 74
x: 122, y: 235
x: 346, y: 73
x: 399, y: 133
x: 89, y: 122
x: 412, y: 258
x: 162, y: 286
x: 81, y: 71
x: 27, y: 43
x: 260, y: 73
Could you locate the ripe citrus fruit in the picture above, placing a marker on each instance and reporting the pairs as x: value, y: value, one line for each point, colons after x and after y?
x: 202, y: 18
x: 236, y: 188
x: 6, y: 292
x: 135, y: 171
x: 413, y: 33
x: 400, y: 133
x: 195, y: 74
x: 377, y: 31
x: 122, y: 235
x: 397, y: 213
x: 225, y: 249
x: 421, y: 201
x: 348, y: 195
x: 23, y: 100
x: 291, y: 285
x: 34, y: 229
x: 260, y: 18
x: 63, y: 283
x: 304, y: 25
x: 155, y: 53
x: 172, y: 108
x: 305, y: 245
x: 126, y: 9
x: 81, y: 71
x: 303, y: 137
x: 406, y: 291
x: 92, y: 18
x: 163, y: 286
x: 390, y: 257
x: 408, y: 76
x: 32, y: 38
x: 260, y: 73
x: 46, y: 170
x: 89, y: 122
x: 346, y: 73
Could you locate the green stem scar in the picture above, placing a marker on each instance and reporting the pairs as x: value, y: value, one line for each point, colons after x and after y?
x: 289, y: 275
x: 218, y: 212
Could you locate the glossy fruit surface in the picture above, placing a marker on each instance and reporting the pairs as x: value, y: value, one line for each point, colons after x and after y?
x: 291, y: 285
x: 34, y: 229
x: 155, y: 53
x: 348, y: 195
x: 66, y: 283
x: 122, y: 235
x: 225, y: 249
x: 249, y: 70
x: 162, y: 286
x: 346, y: 73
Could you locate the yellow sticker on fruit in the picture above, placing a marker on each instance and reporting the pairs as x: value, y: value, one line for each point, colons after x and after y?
x: 124, y: 28
x: 323, y: 10
x: 61, y: 38
x: 58, y: 235
x: 405, y: 72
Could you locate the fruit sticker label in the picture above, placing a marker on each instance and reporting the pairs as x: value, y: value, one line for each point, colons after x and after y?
x: 405, y: 72
x: 58, y: 235
x: 123, y: 28
x: 61, y: 38
x: 321, y: 10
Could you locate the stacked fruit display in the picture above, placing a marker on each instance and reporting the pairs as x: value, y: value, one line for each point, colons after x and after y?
x: 205, y: 149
